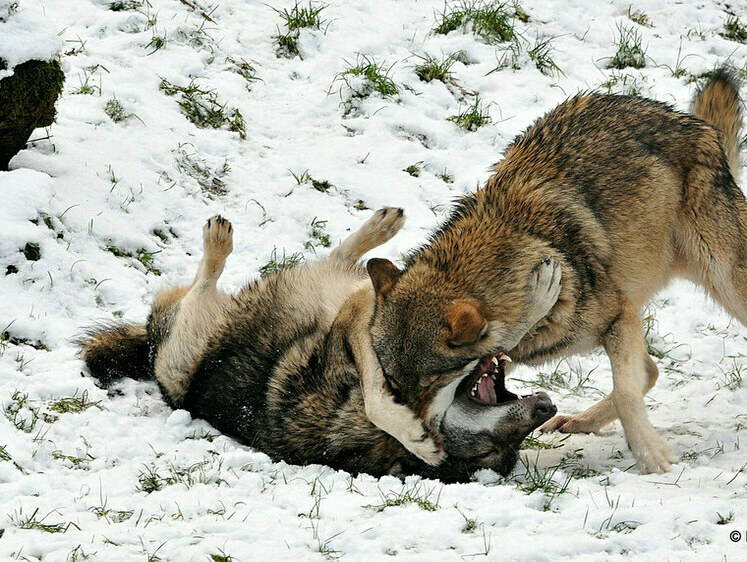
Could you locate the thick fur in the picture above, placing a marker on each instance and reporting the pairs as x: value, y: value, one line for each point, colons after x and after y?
x: 287, y: 365
x: 623, y: 194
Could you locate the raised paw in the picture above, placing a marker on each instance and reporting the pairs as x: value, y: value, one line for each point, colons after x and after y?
x: 217, y: 238
x: 544, y: 286
x: 384, y: 224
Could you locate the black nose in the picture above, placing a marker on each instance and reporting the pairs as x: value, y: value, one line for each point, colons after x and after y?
x: 544, y: 409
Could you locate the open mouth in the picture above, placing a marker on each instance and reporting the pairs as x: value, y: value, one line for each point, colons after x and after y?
x: 486, y: 385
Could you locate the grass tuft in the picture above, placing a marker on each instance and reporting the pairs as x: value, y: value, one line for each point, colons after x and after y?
x: 74, y: 404
x: 365, y: 78
x: 414, y: 169
x: 735, y: 30
x: 416, y: 494
x: 279, y: 263
x: 203, y: 109
x: 33, y: 522
x: 472, y: 118
x: 319, y: 236
x: 629, y: 53
x: 639, y: 17
x: 432, y: 68
x: 125, y: 5
x: 494, y: 22
x: 295, y: 19
x: 116, y: 111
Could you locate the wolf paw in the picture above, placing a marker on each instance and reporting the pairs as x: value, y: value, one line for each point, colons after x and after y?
x: 653, y: 456
x: 544, y: 285
x: 384, y: 224
x: 569, y: 424
x: 217, y: 237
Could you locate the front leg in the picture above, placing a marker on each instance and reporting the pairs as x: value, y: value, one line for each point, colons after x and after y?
x: 543, y: 291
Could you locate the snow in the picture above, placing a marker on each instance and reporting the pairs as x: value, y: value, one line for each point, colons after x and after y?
x: 88, y: 183
x: 26, y: 34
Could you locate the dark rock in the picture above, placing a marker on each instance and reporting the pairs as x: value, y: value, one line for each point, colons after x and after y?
x: 27, y: 101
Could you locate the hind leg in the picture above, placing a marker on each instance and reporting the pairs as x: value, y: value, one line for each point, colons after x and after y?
x: 600, y: 414
x: 380, y: 228
x: 183, y: 318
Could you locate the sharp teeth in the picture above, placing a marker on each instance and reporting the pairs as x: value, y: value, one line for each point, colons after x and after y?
x: 493, y: 377
x: 505, y: 357
x: 474, y: 390
x: 494, y: 360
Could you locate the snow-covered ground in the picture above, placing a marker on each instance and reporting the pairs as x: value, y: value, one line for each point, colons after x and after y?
x: 112, y: 203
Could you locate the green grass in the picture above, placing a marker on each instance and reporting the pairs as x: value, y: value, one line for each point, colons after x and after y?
x: 323, y: 186
x: 431, y: 68
x: 244, y: 69
x: 142, y: 255
x: 279, y: 263
x: 116, y: 111
x: 625, y: 84
x: 472, y: 118
x: 73, y: 404
x: 157, y: 42
x: 18, y: 412
x: 733, y: 379
x: 125, y: 5
x: 210, y: 179
x: 365, y: 78
x: 295, y: 19
x: 638, y: 17
x: 414, y: 169
x: 541, y: 55
x: 724, y: 520
x: 416, y: 494
x: 493, y: 22
x: 735, y: 30
x: 319, y: 236
x: 201, y: 107
x: 33, y: 522
x: 544, y: 480
x: 629, y: 53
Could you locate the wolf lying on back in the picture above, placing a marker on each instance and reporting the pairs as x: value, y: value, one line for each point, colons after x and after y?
x: 619, y: 194
x: 285, y: 364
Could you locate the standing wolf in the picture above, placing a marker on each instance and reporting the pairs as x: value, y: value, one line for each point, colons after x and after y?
x: 617, y: 195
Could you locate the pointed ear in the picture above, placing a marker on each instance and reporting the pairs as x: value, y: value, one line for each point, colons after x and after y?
x: 384, y: 275
x: 465, y: 322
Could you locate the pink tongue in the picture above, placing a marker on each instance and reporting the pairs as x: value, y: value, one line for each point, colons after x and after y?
x: 486, y: 390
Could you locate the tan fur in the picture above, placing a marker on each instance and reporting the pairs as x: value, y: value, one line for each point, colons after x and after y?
x: 621, y: 194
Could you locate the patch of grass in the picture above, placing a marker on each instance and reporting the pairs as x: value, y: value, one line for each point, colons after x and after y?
x: 416, y: 494
x: 733, y: 379
x: 142, y: 255
x: 295, y: 19
x: 318, y: 235
x: 625, y: 84
x: 629, y: 53
x: 125, y: 5
x: 541, y: 55
x: 74, y: 404
x: 222, y: 557
x: 445, y: 176
x: 323, y: 186
x: 735, y: 30
x: 472, y: 118
x: 574, y: 381
x: 110, y: 515
x: 33, y: 522
x: 279, y: 263
x: 116, y: 111
x: 724, y: 520
x: 365, y: 78
x: 23, y: 416
x: 76, y: 461
x: 157, y: 42
x: 541, y: 479
x: 493, y: 22
x: 532, y: 442
x: 638, y: 16
x: 202, y: 107
x: 87, y: 85
x: 150, y: 481
x: 243, y: 69
x: 31, y: 251
x: 431, y: 68
x: 414, y: 169
x: 210, y: 179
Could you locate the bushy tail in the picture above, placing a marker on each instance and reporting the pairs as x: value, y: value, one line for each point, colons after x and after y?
x: 116, y: 351
x: 717, y: 103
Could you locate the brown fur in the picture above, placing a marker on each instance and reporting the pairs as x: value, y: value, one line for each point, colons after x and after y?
x: 624, y: 194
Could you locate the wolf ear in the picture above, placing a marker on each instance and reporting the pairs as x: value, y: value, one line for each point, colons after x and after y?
x: 465, y: 322
x: 384, y: 275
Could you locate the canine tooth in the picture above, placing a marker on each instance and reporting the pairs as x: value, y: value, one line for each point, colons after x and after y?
x: 494, y: 360
x: 505, y: 357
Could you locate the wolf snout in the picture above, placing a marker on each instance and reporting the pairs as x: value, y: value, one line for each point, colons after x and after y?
x: 543, y: 408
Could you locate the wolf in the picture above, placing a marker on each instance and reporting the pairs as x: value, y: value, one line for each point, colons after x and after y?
x: 286, y: 365
x: 616, y: 195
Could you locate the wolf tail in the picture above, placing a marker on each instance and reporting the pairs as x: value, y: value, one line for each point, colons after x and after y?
x: 112, y: 352
x: 717, y: 103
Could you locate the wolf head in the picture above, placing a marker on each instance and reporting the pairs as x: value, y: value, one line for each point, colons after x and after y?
x: 443, y: 354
